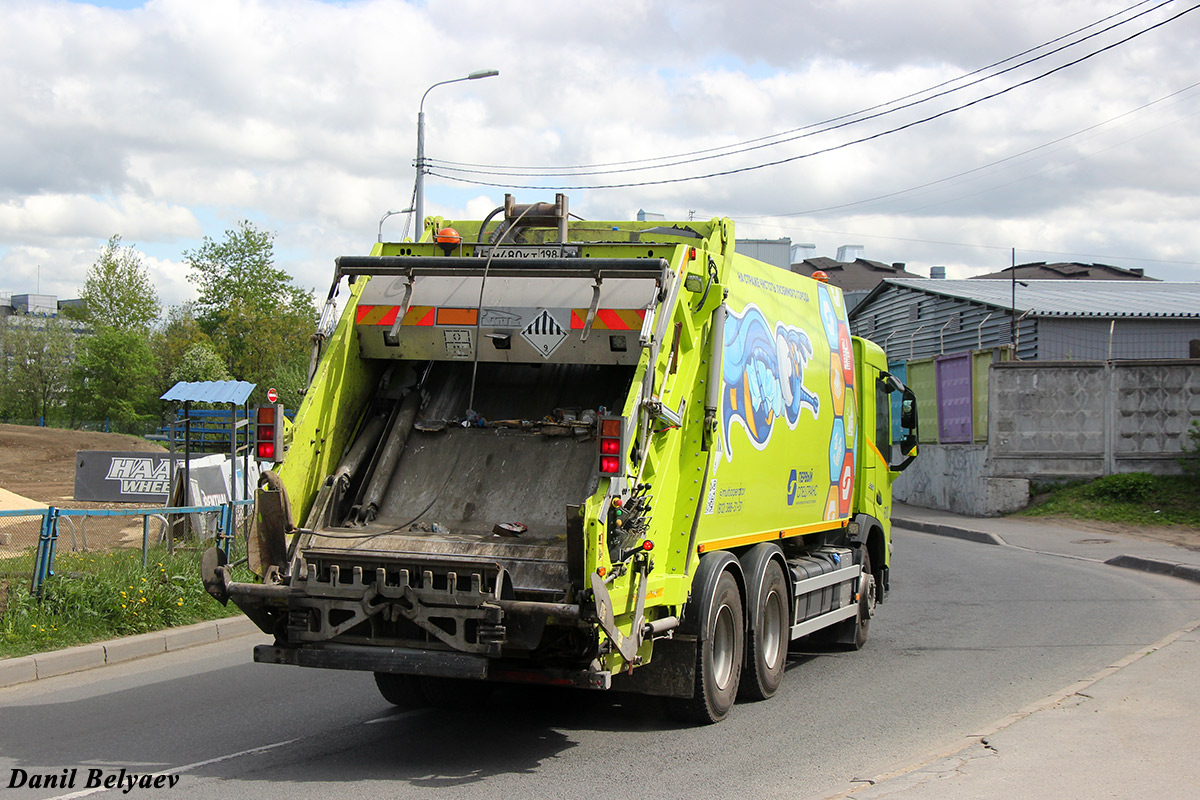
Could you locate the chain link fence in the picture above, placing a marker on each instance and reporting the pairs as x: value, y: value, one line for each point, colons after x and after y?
x: 20, y: 532
x: 30, y: 539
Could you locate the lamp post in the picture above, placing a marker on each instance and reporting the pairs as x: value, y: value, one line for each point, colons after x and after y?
x: 387, y: 214
x: 419, y: 203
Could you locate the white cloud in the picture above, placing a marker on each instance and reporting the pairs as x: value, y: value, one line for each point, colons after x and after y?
x: 172, y: 121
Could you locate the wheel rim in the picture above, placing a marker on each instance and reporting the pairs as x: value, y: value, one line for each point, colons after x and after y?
x: 722, y: 647
x: 772, y: 626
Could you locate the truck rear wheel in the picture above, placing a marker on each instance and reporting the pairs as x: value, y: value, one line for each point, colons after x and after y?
x: 854, y: 633
x: 768, y: 638
x: 400, y: 690
x: 719, y: 657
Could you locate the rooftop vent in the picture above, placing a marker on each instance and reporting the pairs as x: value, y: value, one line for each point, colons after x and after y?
x: 803, y: 250
x: 850, y: 252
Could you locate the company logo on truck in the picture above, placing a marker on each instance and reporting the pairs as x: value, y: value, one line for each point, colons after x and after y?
x: 763, y: 372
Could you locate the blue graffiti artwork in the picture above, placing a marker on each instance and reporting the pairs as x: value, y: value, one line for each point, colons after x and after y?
x: 763, y: 374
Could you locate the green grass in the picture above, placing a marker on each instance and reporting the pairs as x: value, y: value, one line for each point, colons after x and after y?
x: 1131, y: 499
x: 99, y: 596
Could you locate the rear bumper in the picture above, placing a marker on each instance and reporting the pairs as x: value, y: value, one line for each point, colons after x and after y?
x: 376, y: 659
x: 434, y: 663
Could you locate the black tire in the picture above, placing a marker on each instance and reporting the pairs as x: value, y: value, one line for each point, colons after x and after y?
x: 854, y: 635
x: 400, y: 690
x: 456, y: 694
x: 718, y: 658
x: 767, y: 639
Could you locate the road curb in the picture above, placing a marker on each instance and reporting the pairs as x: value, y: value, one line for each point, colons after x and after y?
x: 40, y: 666
x: 948, y: 530
x: 1188, y: 572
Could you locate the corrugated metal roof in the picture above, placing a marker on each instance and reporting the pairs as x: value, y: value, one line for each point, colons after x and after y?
x: 210, y: 391
x: 1071, y: 298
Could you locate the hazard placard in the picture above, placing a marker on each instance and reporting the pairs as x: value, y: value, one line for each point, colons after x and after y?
x: 544, y: 333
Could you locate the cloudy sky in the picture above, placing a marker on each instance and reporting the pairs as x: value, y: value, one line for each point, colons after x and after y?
x: 929, y: 131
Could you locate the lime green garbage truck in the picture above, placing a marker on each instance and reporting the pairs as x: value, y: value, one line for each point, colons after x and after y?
x: 608, y: 455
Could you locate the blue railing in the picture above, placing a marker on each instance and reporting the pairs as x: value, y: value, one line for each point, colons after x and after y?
x: 209, y: 427
x: 225, y: 532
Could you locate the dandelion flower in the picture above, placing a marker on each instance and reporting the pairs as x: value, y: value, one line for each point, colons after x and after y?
x: 180, y: 602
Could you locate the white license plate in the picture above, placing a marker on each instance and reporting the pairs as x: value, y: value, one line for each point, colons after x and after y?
x: 528, y: 251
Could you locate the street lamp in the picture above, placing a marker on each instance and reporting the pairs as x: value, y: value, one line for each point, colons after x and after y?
x: 419, y: 203
x: 387, y: 214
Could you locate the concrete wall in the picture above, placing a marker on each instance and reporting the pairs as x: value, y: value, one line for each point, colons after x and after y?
x: 958, y: 478
x: 1059, y: 420
x: 1054, y: 420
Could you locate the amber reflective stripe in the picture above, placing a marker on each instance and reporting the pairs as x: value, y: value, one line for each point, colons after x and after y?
x: 376, y: 315
x: 871, y: 444
x: 420, y: 315
x: 386, y: 315
x: 767, y: 536
x: 609, y: 319
x: 457, y: 316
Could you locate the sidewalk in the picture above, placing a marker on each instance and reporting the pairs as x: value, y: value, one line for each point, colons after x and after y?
x: 1129, y: 731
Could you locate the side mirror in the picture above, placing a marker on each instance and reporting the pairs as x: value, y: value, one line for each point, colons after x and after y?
x: 908, y: 412
x: 908, y: 421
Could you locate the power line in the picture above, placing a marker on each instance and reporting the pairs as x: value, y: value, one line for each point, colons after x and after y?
x: 806, y: 131
x: 832, y: 148
x: 980, y: 168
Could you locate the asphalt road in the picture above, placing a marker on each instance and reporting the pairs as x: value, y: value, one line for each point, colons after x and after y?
x: 969, y: 634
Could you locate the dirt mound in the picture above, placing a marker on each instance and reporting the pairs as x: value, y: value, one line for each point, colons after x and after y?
x: 39, y: 463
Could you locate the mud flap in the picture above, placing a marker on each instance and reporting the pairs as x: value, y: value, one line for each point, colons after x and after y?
x: 214, y: 575
x: 670, y: 673
x: 267, y: 545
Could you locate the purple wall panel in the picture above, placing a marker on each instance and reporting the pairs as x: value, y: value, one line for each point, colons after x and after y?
x: 954, y: 398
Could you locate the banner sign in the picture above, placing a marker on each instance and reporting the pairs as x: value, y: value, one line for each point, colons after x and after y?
x: 121, y: 477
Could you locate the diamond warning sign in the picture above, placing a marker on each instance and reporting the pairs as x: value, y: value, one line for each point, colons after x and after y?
x: 544, y: 333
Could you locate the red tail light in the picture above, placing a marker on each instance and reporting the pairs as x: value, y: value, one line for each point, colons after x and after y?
x: 612, y: 447
x: 268, y: 433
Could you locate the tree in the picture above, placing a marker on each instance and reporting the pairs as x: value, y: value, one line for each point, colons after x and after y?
x: 117, y: 291
x: 35, y: 366
x: 200, y: 363
x: 242, y: 267
x: 259, y: 320
x: 114, y: 376
x: 171, y: 340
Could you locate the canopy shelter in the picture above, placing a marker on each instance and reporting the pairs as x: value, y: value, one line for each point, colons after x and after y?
x: 231, y: 393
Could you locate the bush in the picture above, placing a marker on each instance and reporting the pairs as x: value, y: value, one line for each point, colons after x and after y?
x: 1191, y: 451
x: 1130, y: 487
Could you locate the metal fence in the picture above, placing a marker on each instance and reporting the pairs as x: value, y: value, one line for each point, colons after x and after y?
x: 29, y: 539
